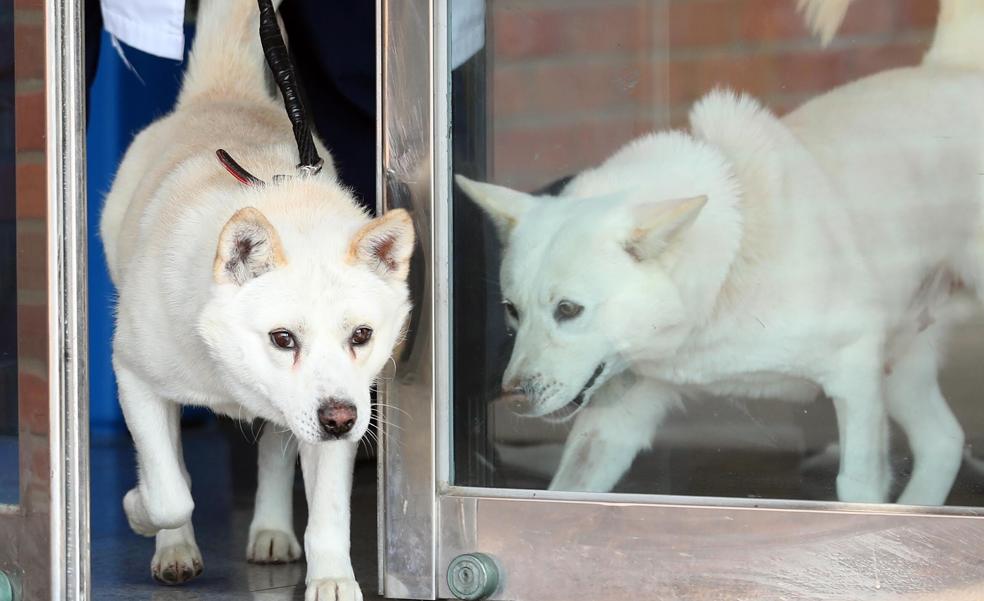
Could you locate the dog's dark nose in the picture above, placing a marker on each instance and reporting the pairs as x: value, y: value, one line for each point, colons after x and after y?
x: 512, y: 387
x: 337, y: 417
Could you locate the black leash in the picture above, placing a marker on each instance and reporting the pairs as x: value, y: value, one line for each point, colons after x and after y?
x: 277, y: 57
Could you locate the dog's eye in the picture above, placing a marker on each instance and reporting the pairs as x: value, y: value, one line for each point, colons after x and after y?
x: 567, y: 310
x: 511, y: 309
x: 283, y: 339
x: 360, y: 335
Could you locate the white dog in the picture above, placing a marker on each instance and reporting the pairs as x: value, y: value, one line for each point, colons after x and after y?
x: 762, y: 257
x: 279, y: 301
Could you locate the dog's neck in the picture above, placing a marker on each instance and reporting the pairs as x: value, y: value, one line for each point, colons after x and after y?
x: 748, y: 136
x: 703, y: 261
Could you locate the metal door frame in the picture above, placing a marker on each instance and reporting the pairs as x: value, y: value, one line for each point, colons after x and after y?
x: 556, y: 546
x: 46, y: 535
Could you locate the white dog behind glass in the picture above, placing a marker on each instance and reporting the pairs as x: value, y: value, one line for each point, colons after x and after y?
x: 827, y: 251
x: 280, y: 301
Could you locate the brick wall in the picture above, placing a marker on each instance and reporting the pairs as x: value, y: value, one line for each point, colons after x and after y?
x: 32, y: 544
x: 572, y: 80
x: 32, y: 332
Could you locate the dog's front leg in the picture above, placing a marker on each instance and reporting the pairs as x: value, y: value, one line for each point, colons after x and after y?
x: 327, y: 471
x: 620, y: 420
x: 856, y: 389
x: 271, y: 533
x: 162, y: 498
x: 177, y: 558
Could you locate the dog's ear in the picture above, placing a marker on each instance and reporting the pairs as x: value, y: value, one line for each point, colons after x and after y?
x: 248, y: 247
x: 385, y: 244
x: 655, y: 225
x: 502, y: 205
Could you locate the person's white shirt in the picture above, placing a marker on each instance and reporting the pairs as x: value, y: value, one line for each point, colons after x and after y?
x: 157, y: 26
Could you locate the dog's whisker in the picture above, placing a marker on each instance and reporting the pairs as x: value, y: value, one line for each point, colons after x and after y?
x: 394, y: 407
x: 387, y: 423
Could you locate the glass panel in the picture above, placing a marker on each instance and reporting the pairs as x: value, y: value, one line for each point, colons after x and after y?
x: 765, y: 302
x: 8, y: 255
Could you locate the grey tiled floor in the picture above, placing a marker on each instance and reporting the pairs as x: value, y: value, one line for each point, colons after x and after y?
x: 223, y: 505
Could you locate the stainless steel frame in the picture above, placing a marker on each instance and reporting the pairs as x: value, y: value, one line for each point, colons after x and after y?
x: 67, y: 305
x: 555, y: 546
x: 44, y: 540
x: 407, y: 518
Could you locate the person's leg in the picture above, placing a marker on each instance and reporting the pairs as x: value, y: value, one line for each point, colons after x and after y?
x: 93, y: 34
x: 333, y: 45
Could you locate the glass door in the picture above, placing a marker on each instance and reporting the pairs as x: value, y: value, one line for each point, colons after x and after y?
x: 696, y: 308
x: 43, y: 422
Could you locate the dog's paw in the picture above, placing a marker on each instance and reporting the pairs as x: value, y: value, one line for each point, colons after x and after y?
x: 333, y: 589
x: 149, y: 521
x: 273, y: 546
x: 857, y: 490
x: 176, y: 564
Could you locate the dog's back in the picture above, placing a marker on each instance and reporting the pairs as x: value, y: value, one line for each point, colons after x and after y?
x: 223, y: 103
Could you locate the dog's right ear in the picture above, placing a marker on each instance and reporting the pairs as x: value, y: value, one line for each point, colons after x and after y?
x: 248, y: 247
x: 503, y: 205
x: 656, y: 225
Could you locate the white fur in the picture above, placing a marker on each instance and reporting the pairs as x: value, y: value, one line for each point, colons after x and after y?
x: 830, y: 256
x: 195, y: 310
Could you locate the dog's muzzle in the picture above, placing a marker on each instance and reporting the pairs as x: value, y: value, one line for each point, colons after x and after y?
x: 571, y: 407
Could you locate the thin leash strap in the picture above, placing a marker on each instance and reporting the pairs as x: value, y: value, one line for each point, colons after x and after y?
x: 277, y: 57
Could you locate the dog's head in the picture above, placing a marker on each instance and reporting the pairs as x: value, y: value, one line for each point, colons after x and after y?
x: 307, y: 304
x: 603, y: 277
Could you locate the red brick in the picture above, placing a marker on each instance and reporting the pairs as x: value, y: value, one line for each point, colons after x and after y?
x: 866, y: 61
x: 550, y: 89
x: 569, y: 30
x: 869, y: 17
x: 31, y: 201
x: 917, y: 14
x: 770, y: 20
x: 32, y: 332
x: 33, y: 393
x: 633, y: 28
x: 519, y: 34
x: 30, y: 120
x: 811, y: 71
x: 678, y: 83
x: 32, y: 4
x: 530, y: 157
x: 40, y: 464
x: 31, y: 257
x: 752, y: 74
x: 28, y: 50
x: 707, y: 23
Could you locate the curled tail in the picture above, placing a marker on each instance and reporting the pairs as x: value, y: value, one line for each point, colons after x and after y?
x: 226, y: 57
x: 959, y: 38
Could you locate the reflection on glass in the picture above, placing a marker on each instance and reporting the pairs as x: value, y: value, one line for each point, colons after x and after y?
x: 725, y: 269
x: 8, y: 255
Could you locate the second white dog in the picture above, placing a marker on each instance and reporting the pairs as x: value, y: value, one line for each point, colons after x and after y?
x: 754, y: 256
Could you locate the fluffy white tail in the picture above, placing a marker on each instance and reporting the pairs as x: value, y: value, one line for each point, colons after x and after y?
x: 959, y: 39
x: 226, y: 57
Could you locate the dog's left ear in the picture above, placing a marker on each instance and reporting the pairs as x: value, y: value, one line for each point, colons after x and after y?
x: 655, y: 225
x: 385, y: 244
x: 504, y: 206
x: 249, y: 246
